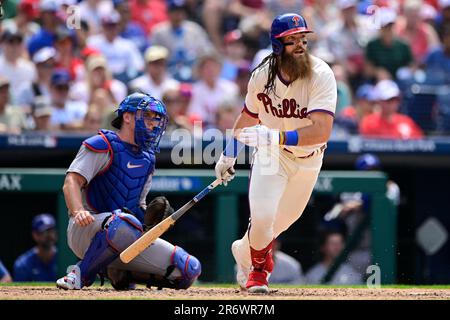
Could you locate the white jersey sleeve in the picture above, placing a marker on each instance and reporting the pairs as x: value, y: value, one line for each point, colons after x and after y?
x: 323, y: 95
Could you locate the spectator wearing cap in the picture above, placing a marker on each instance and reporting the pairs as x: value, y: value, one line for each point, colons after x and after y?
x: 99, y: 82
x: 124, y: 58
x: 12, y: 118
x: 418, y: 34
x: 387, y: 53
x: 148, y: 13
x: 364, y: 103
x: 27, y: 93
x: 40, y: 262
x: 66, y: 114
x: 156, y: 80
x: 235, y: 52
x: 186, y: 41
x: 42, y: 114
x: 13, y: 65
x: 442, y: 21
x: 129, y: 29
x: 23, y: 22
x: 209, y: 91
x: 348, y: 39
x: 49, y: 20
x: 65, y: 45
x: 4, y: 274
x: 388, y: 123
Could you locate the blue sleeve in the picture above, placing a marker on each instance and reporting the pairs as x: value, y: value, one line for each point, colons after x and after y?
x: 21, y: 271
x: 3, y: 271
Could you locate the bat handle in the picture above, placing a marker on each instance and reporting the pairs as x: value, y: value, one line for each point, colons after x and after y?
x: 205, y: 191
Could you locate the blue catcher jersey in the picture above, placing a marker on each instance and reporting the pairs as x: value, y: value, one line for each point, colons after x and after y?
x: 121, y: 183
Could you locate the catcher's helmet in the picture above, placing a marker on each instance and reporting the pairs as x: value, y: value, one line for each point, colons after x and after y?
x: 286, y: 24
x: 367, y: 161
x: 144, y: 137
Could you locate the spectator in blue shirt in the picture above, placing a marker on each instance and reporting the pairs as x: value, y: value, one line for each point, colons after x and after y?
x: 39, y: 263
x: 4, y: 274
x: 49, y: 21
x: 439, y: 58
x: 129, y: 29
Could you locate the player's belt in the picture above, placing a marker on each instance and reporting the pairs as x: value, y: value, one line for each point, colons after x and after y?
x: 319, y: 151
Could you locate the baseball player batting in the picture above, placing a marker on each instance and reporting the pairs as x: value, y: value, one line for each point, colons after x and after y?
x: 288, y: 117
x: 113, y: 171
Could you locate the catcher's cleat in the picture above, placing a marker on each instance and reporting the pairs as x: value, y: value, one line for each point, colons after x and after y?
x: 242, y: 272
x: 69, y: 282
x: 257, y: 282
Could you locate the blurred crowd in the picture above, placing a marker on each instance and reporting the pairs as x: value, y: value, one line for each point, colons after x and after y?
x: 66, y: 64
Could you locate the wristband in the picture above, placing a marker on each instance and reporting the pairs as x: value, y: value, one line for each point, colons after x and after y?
x: 289, y: 138
x: 233, y: 148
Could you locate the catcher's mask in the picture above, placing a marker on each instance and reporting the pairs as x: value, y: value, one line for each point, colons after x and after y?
x: 150, y: 119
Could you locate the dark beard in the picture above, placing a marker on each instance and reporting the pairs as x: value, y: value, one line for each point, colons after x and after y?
x: 296, y: 68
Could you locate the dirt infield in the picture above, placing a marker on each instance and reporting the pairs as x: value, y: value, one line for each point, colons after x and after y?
x: 215, y: 293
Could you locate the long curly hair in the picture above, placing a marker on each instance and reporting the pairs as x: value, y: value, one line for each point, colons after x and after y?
x: 270, y: 85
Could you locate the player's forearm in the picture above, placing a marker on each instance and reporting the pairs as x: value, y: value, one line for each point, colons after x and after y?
x: 317, y: 133
x: 234, y: 146
x: 72, y: 195
x: 313, y: 134
x: 244, y: 120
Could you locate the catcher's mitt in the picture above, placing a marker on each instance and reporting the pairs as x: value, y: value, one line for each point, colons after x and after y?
x: 157, y: 210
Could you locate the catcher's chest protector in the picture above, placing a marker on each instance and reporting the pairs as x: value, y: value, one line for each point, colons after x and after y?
x: 121, y: 183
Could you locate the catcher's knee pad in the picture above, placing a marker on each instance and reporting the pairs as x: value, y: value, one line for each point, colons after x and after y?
x: 119, y: 232
x: 188, y: 265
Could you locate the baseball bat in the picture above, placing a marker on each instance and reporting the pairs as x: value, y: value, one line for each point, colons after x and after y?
x: 154, y: 233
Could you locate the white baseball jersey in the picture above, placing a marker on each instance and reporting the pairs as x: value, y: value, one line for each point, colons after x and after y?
x: 289, y: 107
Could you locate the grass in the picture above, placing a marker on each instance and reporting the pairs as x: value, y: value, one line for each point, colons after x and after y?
x: 233, y: 285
